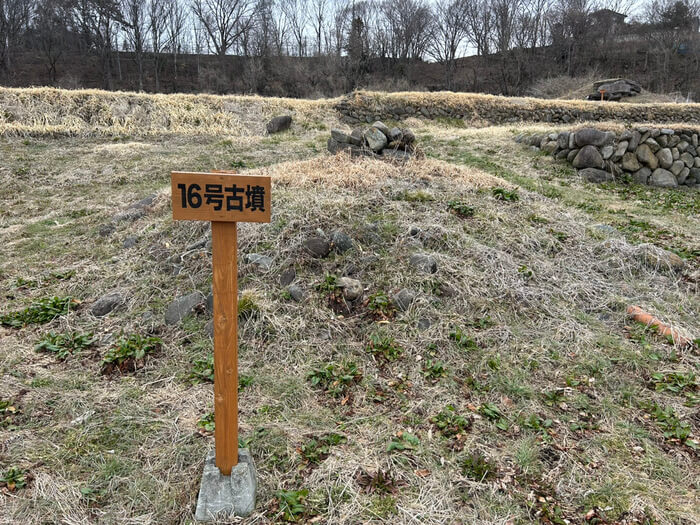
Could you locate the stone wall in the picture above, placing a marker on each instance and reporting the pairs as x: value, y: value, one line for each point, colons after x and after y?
x: 662, y: 157
x: 364, y: 107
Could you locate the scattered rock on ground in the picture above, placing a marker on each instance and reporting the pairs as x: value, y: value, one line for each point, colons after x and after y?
x: 424, y: 263
x: 106, y: 304
x: 317, y: 247
x: 352, y: 288
x: 596, y: 175
x: 183, y: 306
x: 403, y: 299
x: 277, y: 124
x: 296, y: 292
x: 341, y: 241
x: 261, y: 261
x: 287, y: 277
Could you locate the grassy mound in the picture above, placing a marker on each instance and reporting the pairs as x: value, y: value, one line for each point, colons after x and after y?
x: 512, y: 387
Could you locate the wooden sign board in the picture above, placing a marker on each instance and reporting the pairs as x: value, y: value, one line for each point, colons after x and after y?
x: 220, y: 197
x: 224, y: 199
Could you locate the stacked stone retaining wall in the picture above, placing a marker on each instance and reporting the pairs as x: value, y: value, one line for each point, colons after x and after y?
x: 661, y: 157
x: 362, y: 107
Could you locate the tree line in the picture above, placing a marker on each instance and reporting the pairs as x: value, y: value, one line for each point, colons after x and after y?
x: 339, y: 44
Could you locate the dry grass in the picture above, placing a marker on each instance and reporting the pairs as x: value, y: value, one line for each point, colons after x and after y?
x: 538, y: 288
x: 57, y: 112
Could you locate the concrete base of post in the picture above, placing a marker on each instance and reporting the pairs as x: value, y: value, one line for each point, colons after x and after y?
x: 222, y: 497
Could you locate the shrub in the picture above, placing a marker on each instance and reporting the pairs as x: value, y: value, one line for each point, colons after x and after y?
x: 384, y: 345
x: 449, y: 423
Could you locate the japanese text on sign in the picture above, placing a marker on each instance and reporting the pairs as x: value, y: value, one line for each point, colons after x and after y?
x: 220, y: 197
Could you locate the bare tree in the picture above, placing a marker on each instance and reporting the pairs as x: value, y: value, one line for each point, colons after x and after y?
x: 449, y: 34
x: 480, y: 24
x: 224, y: 21
x: 297, y: 16
x: 408, y: 27
x: 14, y: 19
x: 174, y: 29
x: 135, y: 26
x: 317, y: 14
x: 51, y: 24
x: 157, y: 24
x: 97, y: 22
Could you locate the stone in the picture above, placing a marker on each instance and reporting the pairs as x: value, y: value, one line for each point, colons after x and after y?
x: 550, y: 147
x: 596, y: 175
x: 146, y: 202
x: 395, y: 135
x: 592, y: 137
x: 676, y: 154
x: 106, y: 230
x: 287, y: 277
x: 344, y: 138
x: 682, y: 146
x: 352, y: 288
x: 563, y: 140
x: 223, y: 497
x: 630, y: 162
x: 645, y: 156
x: 297, y: 293
x: 408, y: 137
x: 607, y: 152
x: 423, y: 324
x: 659, y: 259
x: 665, y: 158
x: 662, y: 178
x: 653, y: 145
x: 641, y: 176
x: 572, y: 141
x: 606, y: 229
x: 341, y: 242
x: 396, y: 155
x: 383, y: 128
x: 130, y: 242
x: 375, y: 139
x: 588, y: 157
x: 634, y: 141
x: 403, y: 299
x: 414, y: 231
x: 106, y: 304
x: 683, y: 176
x: 697, y: 162
x: 620, y: 151
x: 277, y: 124
x: 261, y: 261
x: 666, y: 131
x: 424, y: 263
x: 317, y: 247
x: 662, y: 140
x: 677, y: 167
x: 209, y: 328
x: 183, y: 306
x: 572, y: 155
x: 128, y: 215
x: 563, y: 154
x: 334, y: 147
x: 688, y: 159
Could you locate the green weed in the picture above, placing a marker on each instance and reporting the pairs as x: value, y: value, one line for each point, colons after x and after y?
x: 14, y: 478
x: 380, y: 305
x: 64, y: 345
x: 449, y: 423
x: 403, y: 441
x: 502, y: 194
x: 668, y: 422
x: 335, y: 379
x: 41, y: 312
x: 385, y: 346
x: 293, y: 504
x: 434, y: 369
x: 464, y: 341
x: 202, y: 370
x: 128, y: 353
x: 493, y: 413
x: 206, y: 424
x: 461, y: 209
x: 317, y: 449
x: 477, y: 467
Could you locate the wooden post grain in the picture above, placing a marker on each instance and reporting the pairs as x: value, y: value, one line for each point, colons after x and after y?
x: 225, y: 284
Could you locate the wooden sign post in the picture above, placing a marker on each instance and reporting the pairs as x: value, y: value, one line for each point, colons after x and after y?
x: 224, y: 199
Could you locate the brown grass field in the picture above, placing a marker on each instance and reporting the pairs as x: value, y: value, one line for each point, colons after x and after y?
x: 514, y: 389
